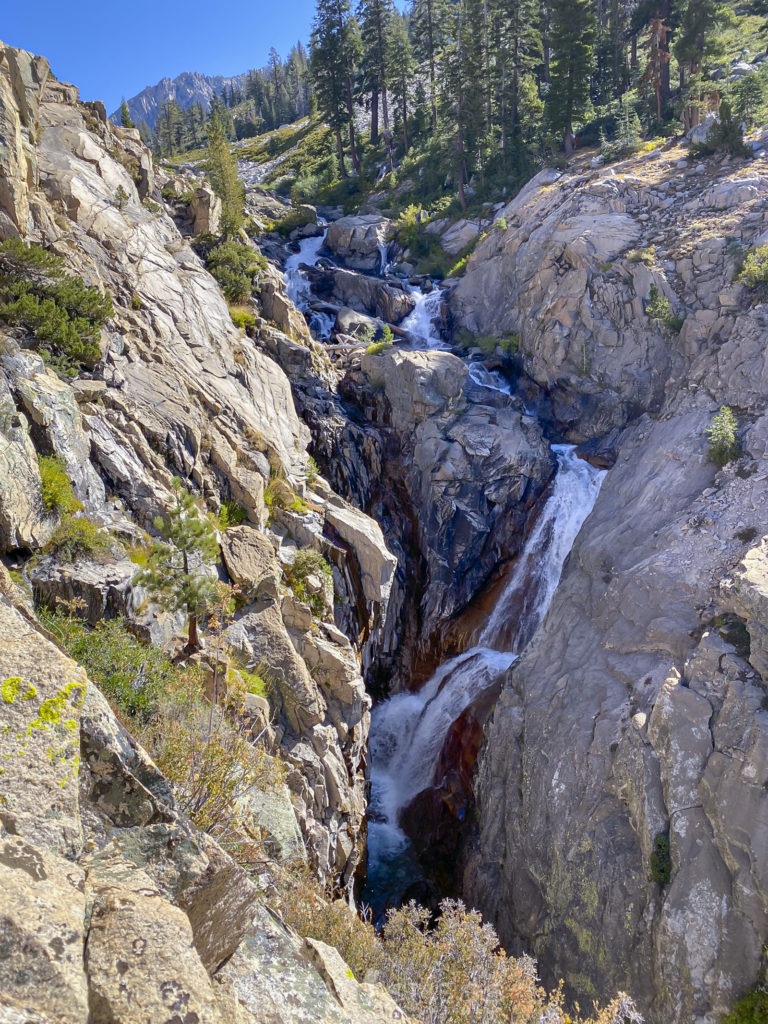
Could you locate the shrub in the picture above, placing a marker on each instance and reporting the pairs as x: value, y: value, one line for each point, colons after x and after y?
x: 242, y: 317
x: 754, y: 271
x: 313, y: 472
x: 724, y: 134
x: 750, y: 1009
x: 306, y: 907
x: 310, y: 563
x: 121, y: 197
x: 61, y: 312
x: 501, y: 224
x: 58, y: 496
x: 377, y: 347
x: 78, y: 538
x: 661, y: 862
x: 209, y: 770
x: 295, y: 218
x: 231, y: 514
x: 660, y: 310
x: 724, y: 443
x: 131, y: 674
x: 451, y: 971
x: 234, y: 266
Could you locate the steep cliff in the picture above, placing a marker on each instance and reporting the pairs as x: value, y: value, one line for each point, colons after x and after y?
x: 639, y: 709
x: 114, y: 907
x: 179, y: 391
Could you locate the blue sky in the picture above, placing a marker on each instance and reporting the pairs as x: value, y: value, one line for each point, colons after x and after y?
x: 113, y: 49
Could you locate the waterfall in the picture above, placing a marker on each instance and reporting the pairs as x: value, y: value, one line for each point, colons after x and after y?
x: 409, y: 729
x: 298, y: 288
x: 419, y: 324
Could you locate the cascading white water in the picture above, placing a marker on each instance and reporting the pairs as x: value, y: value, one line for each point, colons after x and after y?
x: 537, y: 572
x: 409, y: 729
x: 298, y: 287
x: 419, y: 324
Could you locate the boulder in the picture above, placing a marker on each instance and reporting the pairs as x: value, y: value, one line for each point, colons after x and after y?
x: 141, y: 962
x: 205, y: 210
x: 42, y: 921
x: 386, y: 300
x: 357, y: 240
x: 23, y: 522
x: 459, y: 236
x: 277, y: 978
x: 250, y: 561
x: 364, y: 536
x: 417, y: 384
x: 52, y: 406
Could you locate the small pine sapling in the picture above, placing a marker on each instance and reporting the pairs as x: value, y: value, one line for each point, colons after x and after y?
x: 172, y: 574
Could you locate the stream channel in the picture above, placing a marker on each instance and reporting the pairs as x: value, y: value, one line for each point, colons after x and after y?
x: 408, y: 730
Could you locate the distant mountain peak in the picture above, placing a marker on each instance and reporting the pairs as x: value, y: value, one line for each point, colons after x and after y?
x: 187, y: 88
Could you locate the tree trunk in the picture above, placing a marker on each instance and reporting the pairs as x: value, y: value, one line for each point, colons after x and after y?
x: 193, y: 642
x: 432, y: 88
x: 340, y: 155
x: 375, y: 115
x: 404, y: 104
x: 351, y: 113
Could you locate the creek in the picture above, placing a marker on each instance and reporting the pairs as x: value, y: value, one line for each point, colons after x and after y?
x: 408, y: 730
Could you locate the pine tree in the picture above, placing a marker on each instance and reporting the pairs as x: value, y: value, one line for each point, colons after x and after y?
x: 401, y: 56
x: 125, y: 115
x: 335, y: 48
x: 520, y: 53
x: 375, y: 18
x: 221, y: 167
x: 572, y: 33
x: 172, y: 575
x: 429, y: 19
x: 695, y: 40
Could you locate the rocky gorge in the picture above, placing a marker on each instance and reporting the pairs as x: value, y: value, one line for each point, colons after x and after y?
x: 636, y: 710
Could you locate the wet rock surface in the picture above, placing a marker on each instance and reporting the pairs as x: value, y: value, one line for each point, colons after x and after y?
x: 642, y: 697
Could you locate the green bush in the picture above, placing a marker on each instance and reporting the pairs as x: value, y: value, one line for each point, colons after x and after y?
x: 131, y: 674
x: 78, y: 538
x: 309, y: 563
x: 659, y: 309
x: 58, y: 496
x: 661, y: 862
x: 295, y: 218
x: 724, y: 443
x: 234, y: 266
x: 231, y: 514
x: 61, y: 312
x: 754, y: 271
x: 377, y: 347
x: 750, y: 1009
x: 242, y: 317
x: 313, y: 471
x: 725, y: 134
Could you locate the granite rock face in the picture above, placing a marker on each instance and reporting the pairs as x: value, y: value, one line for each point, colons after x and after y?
x: 357, y: 240
x: 638, y: 710
x: 461, y: 470
x: 179, y: 392
x: 113, y: 906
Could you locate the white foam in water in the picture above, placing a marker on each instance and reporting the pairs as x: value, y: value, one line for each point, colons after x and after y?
x: 573, y: 497
x: 296, y: 281
x: 419, y: 324
x: 492, y: 379
x: 384, y: 258
x: 408, y: 730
